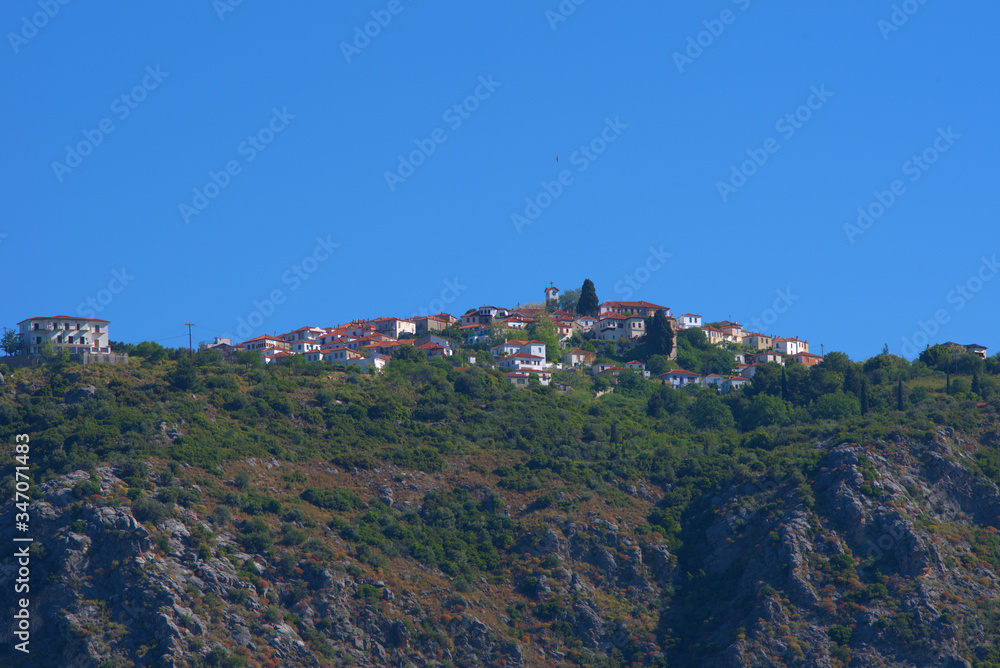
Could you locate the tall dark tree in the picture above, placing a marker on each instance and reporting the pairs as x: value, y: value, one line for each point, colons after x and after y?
x: 784, y: 385
x: 899, y: 395
x: 864, y: 395
x: 588, y: 304
x: 947, y: 382
x: 976, y: 384
x: 659, y: 334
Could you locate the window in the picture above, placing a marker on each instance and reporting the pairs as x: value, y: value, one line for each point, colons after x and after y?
x: 38, y: 339
x: 69, y: 339
x: 66, y: 326
x: 34, y: 325
x: 78, y: 327
x: 59, y: 339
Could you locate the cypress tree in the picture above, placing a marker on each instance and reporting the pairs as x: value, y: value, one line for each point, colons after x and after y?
x: 588, y: 304
x: 899, y: 395
x: 864, y: 395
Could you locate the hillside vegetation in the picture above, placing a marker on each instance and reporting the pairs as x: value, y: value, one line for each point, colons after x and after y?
x: 190, y: 512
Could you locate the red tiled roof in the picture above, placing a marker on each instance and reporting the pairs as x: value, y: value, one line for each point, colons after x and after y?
x: 66, y: 317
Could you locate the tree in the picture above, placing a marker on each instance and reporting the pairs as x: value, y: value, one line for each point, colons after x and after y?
x: 864, y: 395
x: 12, y: 342
x: 568, y: 300
x: 588, y: 304
x: 659, y: 334
x: 709, y: 412
x: 543, y: 329
x: 500, y: 332
x: 899, y: 395
x: 836, y: 406
x: 764, y: 410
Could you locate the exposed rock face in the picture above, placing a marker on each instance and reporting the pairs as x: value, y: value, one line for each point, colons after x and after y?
x: 874, y: 558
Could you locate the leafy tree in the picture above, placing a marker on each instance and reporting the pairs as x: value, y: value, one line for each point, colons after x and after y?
x: 151, y: 351
x: 12, y: 342
x: 568, y: 300
x: 656, y: 365
x: 764, y: 410
x: 543, y: 329
x: 835, y: 361
x: 501, y: 333
x: 709, y: 412
x: 659, y: 334
x: 836, y: 406
x: 632, y: 384
x: 588, y: 304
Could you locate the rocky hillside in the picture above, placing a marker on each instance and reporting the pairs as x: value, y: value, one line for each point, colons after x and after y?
x: 227, y: 516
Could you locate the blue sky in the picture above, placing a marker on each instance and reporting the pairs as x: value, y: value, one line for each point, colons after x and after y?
x: 168, y: 163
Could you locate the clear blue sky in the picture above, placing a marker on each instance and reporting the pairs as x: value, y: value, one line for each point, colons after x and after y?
x: 310, y: 127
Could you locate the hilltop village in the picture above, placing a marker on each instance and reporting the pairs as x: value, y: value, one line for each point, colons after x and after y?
x: 528, y: 343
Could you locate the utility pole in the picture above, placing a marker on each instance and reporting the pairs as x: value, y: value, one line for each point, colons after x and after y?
x: 189, y: 326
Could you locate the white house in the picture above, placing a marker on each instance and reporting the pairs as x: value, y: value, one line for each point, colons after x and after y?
x: 678, y: 378
x: 305, y: 346
x: 637, y: 366
x: 394, y: 327
x: 614, y: 326
x: 734, y: 383
x: 578, y: 357
x: 522, y: 361
x: 601, y: 367
x: 713, y: 380
x: 534, y: 348
x: 641, y: 309
x: 766, y: 356
x: 792, y: 346
x: 65, y: 333
x: 688, y: 320
x: 521, y: 378
x: 304, y: 334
